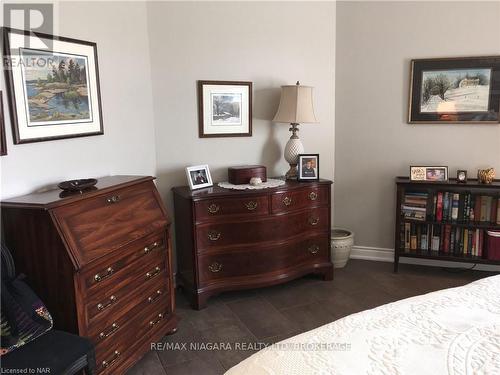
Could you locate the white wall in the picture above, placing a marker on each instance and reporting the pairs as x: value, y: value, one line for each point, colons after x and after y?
x: 269, y: 43
x: 128, y: 144
x: 375, y: 43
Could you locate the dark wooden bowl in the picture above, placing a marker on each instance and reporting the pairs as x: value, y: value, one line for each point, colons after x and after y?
x: 77, y: 185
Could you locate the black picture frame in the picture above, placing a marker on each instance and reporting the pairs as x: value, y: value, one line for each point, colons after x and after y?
x: 457, y: 85
x: 203, y: 109
x: 3, y: 142
x: 301, y: 163
x: 461, y: 172
x: 11, y: 92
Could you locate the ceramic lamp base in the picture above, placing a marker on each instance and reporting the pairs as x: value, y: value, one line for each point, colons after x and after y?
x: 293, y: 149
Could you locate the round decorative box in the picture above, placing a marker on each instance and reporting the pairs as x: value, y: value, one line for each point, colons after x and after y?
x: 342, y: 241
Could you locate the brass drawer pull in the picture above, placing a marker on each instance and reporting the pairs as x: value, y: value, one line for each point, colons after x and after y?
x: 313, y: 196
x: 99, y: 278
x: 213, y: 235
x: 153, y: 273
x: 113, y: 199
x: 114, y: 327
x: 213, y: 208
x: 313, y: 249
x: 252, y: 205
x: 153, y: 246
x: 314, y: 221
x: 155, y: 297
x: 215, y: 267
x: 111, y: 362
x: 287, y: 201
x: 155, y: 322
x: 102, y: 306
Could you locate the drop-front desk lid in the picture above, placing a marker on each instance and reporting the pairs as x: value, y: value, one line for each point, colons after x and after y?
x: 56, y: 197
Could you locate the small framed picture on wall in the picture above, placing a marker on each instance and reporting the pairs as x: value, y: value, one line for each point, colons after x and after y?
x: 198, y: 176
x: 224, y: 109
x: 308, y: 167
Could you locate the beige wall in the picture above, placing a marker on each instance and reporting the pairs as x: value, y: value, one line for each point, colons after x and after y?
x: 128, y: 144
x: 375, y: 43
x: 270, y: 44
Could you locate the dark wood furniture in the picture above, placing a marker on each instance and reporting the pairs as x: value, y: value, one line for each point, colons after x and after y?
x: 100, y: 261
x: 56, y: 352
x: 472, y: 186
x: 237, y: 239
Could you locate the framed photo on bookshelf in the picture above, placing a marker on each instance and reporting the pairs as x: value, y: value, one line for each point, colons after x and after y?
x: 462, y: 176
x: 429, y: 174
x: 455, y: 90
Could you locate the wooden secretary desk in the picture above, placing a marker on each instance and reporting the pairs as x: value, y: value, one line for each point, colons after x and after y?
x: 100, y: 261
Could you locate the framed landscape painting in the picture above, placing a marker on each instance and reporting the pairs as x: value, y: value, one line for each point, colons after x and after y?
x: 225, y: 109
x: 455, y: 90
x: 53, y: 93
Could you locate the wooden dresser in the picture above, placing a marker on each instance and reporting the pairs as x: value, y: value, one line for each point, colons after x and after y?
x: 236, y: 239
x: 101, y: 262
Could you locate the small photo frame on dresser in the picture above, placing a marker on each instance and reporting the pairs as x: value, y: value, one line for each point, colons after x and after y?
x: 308, y: 167
x: 198, y: 177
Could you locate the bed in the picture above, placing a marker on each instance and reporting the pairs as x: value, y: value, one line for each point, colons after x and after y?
x: 453, y: 331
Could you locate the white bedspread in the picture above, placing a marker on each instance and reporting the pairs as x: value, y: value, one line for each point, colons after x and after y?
x: 452, y: 331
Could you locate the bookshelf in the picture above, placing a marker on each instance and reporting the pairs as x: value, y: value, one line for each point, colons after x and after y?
x: 446, y: 220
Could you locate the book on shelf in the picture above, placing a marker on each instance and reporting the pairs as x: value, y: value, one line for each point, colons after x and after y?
x: 443, y: 238
x: 453, y: 207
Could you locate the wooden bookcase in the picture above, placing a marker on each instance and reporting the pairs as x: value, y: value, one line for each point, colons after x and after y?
x: 472, y: 187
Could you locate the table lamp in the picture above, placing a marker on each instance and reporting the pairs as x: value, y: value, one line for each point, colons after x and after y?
x: 296, y: 107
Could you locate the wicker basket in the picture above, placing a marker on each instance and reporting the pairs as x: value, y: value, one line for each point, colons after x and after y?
x: 342, y: 241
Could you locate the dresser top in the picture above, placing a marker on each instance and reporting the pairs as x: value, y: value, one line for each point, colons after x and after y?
x: 57, y: 197
x: 217, y: 191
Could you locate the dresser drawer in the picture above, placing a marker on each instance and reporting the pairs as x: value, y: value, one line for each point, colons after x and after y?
x: 97, y: 226
x: 104, y: 310
x: 214, y: 208
x: 116, y: 324
x: 216, y: 235
x: 301, y: 198
x: 107, y: 279
x: 112, y: 351
x: 265, y: 260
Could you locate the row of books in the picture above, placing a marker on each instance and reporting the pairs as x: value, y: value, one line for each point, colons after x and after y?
x: 451, y: 207
x: 444, y: 238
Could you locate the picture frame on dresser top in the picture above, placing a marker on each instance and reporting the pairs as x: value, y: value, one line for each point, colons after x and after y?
x: 308, y: 165
x: 199, y: 176
x: 224, y: 109
x: 55, y: 93
x: 455, y: 90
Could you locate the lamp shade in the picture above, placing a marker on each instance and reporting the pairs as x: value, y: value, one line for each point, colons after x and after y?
x: 296, y: 105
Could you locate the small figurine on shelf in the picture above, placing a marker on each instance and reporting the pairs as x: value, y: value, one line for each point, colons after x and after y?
x: 486, y: 176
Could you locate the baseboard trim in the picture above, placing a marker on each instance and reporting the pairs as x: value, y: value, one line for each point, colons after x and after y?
x: 380, y: 254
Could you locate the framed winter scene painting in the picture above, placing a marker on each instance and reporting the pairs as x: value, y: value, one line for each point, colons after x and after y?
x: 224, y: 109
x: 455, y: 90
x: 52, y: 86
